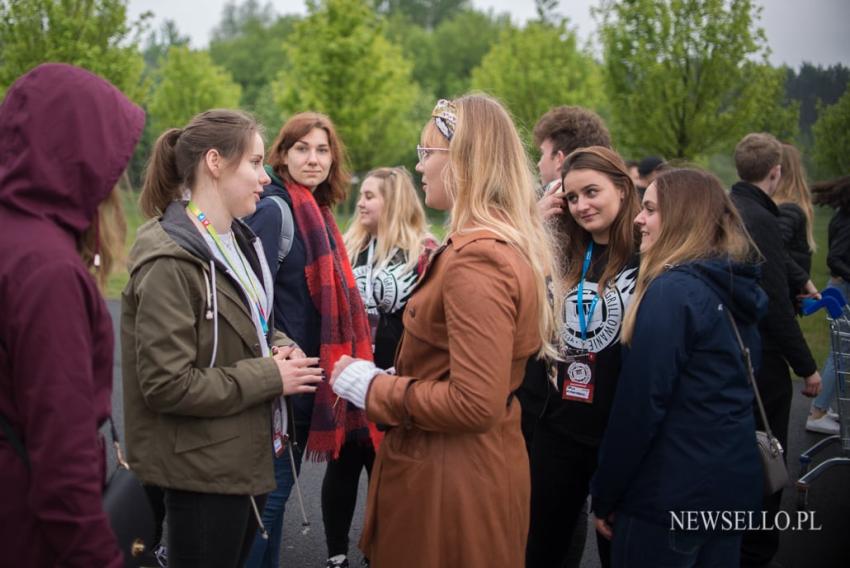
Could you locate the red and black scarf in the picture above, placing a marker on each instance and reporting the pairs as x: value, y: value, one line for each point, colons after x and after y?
x: 344, y: 327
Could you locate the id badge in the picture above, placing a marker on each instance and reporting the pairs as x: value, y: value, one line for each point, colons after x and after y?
x: 279, y: 426
x: 577, y: 376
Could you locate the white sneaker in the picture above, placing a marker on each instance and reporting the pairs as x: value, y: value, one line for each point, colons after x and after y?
x: 822, y: 425
x: 831, y: 413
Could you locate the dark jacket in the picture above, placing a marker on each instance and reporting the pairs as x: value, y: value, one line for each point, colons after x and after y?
x: 295, y: 313
x: 66, y: 136
x: 682, y: 433
x: 792, y: 226
x: 191, y: 423
x: 838, y: 257
x: 780, y: 330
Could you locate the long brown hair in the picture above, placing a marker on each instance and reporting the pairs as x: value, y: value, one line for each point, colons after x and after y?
x: 177, y: 152
x: 335, y: 188
x: 698, y: 221
x: 793, y: 188
x: 623, y: 235
x: 105, y: 238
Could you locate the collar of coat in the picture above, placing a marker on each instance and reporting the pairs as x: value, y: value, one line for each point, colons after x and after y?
x: 463, y: 237
x: 757, y: 194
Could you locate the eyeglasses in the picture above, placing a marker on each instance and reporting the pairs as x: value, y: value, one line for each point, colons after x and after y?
x: 423, y: 152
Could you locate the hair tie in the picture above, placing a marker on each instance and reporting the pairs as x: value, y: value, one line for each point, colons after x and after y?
x: 445, y: 117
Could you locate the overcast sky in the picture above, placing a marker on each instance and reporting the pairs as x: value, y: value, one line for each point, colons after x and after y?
x: 815, y: 31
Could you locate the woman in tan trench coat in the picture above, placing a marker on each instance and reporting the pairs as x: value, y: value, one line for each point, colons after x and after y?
x: 450, y: 486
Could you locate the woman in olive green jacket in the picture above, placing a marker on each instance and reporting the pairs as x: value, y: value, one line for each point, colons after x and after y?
x: 201, y: 362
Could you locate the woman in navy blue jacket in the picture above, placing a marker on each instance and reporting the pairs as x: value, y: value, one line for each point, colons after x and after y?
x: 681, y: 435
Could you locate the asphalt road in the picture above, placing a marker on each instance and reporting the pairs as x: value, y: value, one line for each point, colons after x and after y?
x: 829, y: 500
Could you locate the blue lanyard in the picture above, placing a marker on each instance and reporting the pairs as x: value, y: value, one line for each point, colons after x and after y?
x: 582, y: 322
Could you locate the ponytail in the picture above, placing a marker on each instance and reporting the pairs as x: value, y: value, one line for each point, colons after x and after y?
x: 162, y: 178
x: 178, y: 151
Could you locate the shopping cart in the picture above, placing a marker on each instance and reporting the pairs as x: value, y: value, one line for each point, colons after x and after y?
x: 839, y: 327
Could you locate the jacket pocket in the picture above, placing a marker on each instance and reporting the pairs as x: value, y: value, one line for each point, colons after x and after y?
x: 203, y: 432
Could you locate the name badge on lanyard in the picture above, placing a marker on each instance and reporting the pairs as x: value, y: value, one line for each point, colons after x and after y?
x: 576, y: 373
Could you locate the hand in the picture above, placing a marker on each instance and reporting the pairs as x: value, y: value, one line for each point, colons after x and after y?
x: 340, y: 366
x: 291, y: 351
x: 810, y: 291
x: 552, y: 203
x: 604, y: 527
x: 812, y: 385
x: 298, y: 376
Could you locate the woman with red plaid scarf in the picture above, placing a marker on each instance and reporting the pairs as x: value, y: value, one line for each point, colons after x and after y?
x: 316, y: 304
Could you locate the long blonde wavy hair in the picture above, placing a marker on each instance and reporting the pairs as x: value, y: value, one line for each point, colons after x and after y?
x: 698, y: 221
x: 491, y: 181
x: 401, y: 226
x: 794, y: 189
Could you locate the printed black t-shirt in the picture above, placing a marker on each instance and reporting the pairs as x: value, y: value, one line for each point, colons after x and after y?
x: 391, y: 287
x: 583, y: 421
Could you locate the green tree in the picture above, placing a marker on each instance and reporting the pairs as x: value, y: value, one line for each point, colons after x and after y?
x: 340, y: 63
x: 443, y: 59
x: 159, y: 42
x: 536, y: 68
x: 93, y: 34
x: 832, y: 138
x: 425, y: 13
x: 813, y: 84
x: 250, y: 43
x: 686, y: 77
x: 189, y: 82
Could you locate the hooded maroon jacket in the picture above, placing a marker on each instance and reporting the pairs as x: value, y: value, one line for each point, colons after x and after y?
x: 66, y: 136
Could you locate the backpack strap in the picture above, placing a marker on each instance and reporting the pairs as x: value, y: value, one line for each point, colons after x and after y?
x: 287, y: 228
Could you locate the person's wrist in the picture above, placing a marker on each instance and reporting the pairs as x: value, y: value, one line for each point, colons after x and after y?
x: 353, y: 382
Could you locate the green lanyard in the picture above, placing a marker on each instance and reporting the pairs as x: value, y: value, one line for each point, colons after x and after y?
x: 249, y: 287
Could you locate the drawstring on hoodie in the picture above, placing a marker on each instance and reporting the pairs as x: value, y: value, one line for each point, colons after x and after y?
x: 212, y: 304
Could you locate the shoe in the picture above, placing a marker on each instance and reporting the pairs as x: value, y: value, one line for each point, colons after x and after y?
x: 161, y: 555
x: 338, y: 561
x: 822, y: 425
x: 832, y: 414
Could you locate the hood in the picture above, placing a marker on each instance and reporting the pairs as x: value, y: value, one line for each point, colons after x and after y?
x: 175, y: 235
x: 736, y: 284
x: 66, y: 136
x: 172, y: 235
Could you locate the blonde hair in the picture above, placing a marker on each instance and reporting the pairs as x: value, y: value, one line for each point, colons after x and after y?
x: 698, y: 221
x: 794, y: 189
x: 402, y: 225
x: 105, y: 237
x: 490, y: 179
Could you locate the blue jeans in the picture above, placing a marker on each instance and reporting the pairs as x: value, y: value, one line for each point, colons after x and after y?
x: 266, y: 553
x: 828, y: 378
x: 638, y: 544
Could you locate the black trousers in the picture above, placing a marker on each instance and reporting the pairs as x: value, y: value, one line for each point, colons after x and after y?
x: 207, y: 530
x: 774, y: 381
x: 561, y: 470
x: 339, y: 493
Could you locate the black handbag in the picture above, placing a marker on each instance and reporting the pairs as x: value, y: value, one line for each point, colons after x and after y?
x: 124, y: 500
x: 770, y: 450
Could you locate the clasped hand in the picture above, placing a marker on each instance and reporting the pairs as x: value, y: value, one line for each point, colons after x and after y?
x: 299, y: 374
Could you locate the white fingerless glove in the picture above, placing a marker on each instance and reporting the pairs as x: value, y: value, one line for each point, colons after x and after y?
x: 353, y: 383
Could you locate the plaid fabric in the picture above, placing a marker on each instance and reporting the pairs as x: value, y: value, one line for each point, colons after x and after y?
x: 345, y: 328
